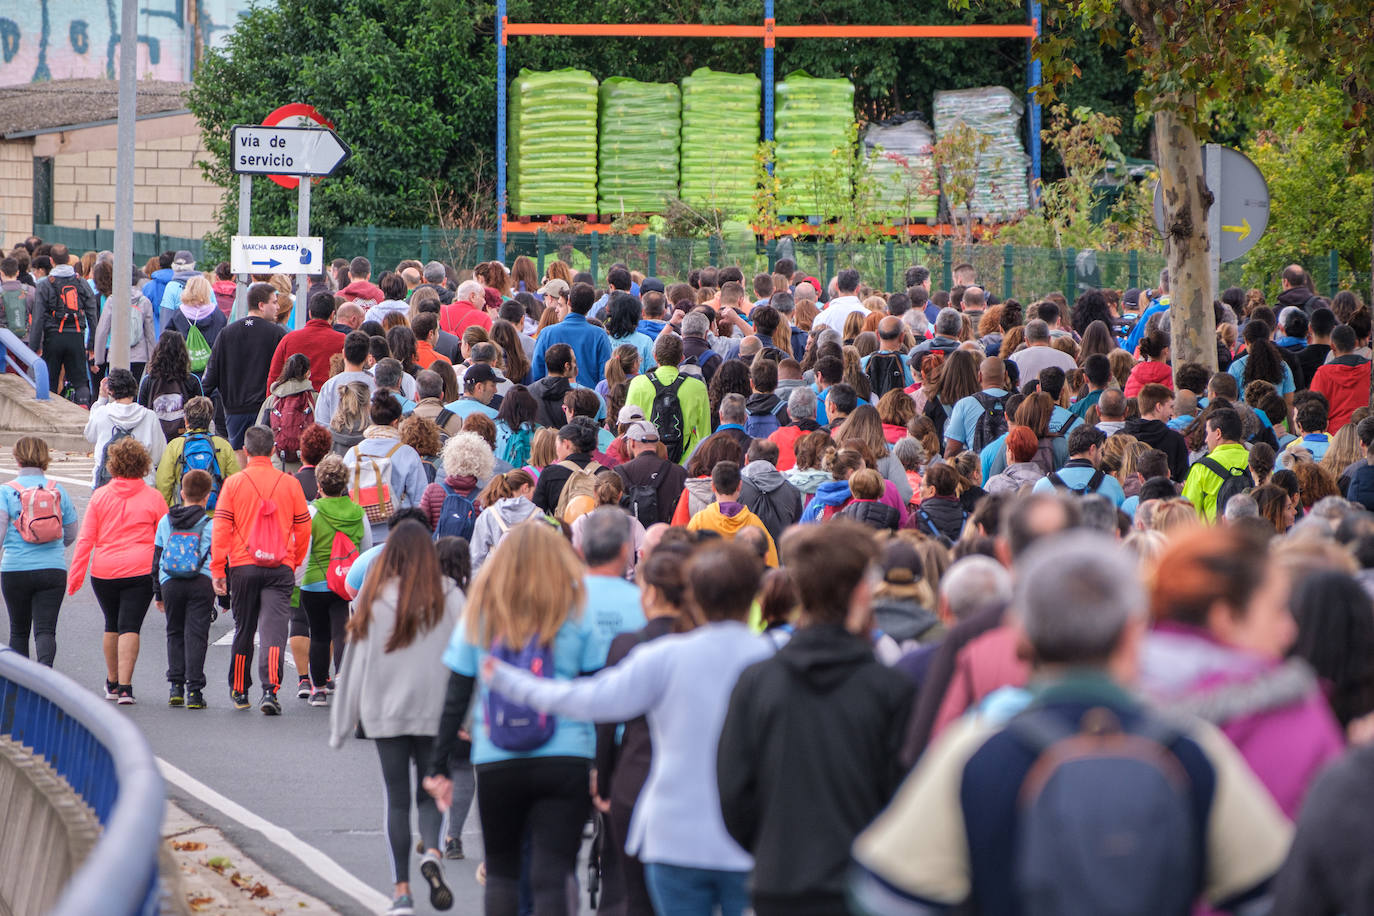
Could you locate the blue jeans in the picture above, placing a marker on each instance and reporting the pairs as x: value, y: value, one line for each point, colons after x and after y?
x: 681, y: 891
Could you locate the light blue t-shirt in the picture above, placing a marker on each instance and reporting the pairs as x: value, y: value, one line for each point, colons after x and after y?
x: 164, y: 535
x: 1237, y: 371
x: 577, y: 648
x: 1130, y: 505
x: 641, y: 342
x: 963, y: 419
x: 1081, y: 476
x: 466, y: 407
x: 20, y: 555
x: 613, y: 606
x: 357, y: 573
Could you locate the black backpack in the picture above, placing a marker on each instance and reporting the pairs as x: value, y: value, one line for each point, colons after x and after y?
x: 992, y: 422
x: 65, y: 304
x: 666, y: 414
x: 885, y: 372
x: 1232, y: 482
x: 1090, y: 487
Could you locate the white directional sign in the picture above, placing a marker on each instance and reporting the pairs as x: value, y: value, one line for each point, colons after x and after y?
x: 275, y: 254
x: 258, y: 150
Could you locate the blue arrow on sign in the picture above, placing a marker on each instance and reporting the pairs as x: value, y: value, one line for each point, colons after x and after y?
x: 270, y: 262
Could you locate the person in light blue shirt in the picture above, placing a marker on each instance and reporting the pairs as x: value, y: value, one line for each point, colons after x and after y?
x: 480, y: 383
x: 589, y: 342
x: 33, y: 576
x: 962, y: 426
x: 1080, y: 474
x: 606, y: 540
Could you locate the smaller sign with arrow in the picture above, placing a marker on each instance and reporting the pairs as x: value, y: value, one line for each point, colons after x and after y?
x: 275, y: 254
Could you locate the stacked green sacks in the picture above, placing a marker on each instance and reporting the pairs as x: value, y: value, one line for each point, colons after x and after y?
x: 720, y: 136
x: 640, y: 127
x: 813, y: 122
x: 552, y: 143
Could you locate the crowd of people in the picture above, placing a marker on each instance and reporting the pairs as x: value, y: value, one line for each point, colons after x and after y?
x: 845, y: 601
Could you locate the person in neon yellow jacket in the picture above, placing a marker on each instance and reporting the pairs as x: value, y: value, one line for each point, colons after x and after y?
x: 1224, y: 450
x: 691, y: 396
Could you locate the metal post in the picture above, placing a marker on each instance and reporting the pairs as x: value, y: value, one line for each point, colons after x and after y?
x: 501, y: 90
x: 122, y: 286
x: 157, y: 235
x: 1211, y: 168
x: 653, y: 255
x: 1333, y: 272
x: 1133, y: 270
x: 594, y: 252
x: 829, y: 265
x: 1032, y: 106
x: 1071, y: 274
x: 768, y: 77
x: 948, y: 263
x: 300, y: 309
x: 245, y: 206
x: 1008, y: 270
x: 890, y: 264
x: 424, y: 244
x: 541, y: 242
x: 371, y: 243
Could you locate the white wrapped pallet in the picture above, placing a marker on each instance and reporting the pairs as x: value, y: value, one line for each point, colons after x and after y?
x: 1002, y: 189
x: 899, y: 158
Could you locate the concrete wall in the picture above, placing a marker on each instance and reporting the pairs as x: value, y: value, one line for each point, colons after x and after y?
x: 168, y: 184
x: 61, y: 39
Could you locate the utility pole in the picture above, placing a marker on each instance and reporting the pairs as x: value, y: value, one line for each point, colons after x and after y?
x: 122, y: 286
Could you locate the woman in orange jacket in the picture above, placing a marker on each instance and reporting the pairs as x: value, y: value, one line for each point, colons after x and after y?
x: 116, y: 541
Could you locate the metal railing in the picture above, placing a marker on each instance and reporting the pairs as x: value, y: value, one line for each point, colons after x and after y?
x: 109, y: 765
x: 16, y: 357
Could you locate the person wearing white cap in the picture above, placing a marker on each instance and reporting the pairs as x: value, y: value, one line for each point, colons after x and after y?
x: 619, y: 449
x: 653, y: 484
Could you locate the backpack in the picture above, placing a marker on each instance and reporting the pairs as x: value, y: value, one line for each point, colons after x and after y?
x: 992, y: 422
x: 198, y: 348
x: 66, y: 303
x: 641, y: 500
x: 16, y: 305
x: 1106, y: 820
x: 135, y: 319
x: 372, y: 483
x: 1232, y: 482
x: 514, y: 726
x: 288, y: 419
x: 198, y: 454
x: 1090, y: 487
x: 343, y: 552
x: 666, y: 414
x: 580, y: 482
x: 516, y: 451
x: 885, y: 373
x: 167, y: 398
x: 102, y: 474
x: 441, y: 420
x: 266, y: 543
x: 40, y: 513
x: 458, y: 515
x: 763, y: 425
x: 182, y: 557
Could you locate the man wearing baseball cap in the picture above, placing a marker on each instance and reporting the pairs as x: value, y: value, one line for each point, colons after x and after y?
x: 653, y: 484
x: 479, y: 387
x: 555, y: 292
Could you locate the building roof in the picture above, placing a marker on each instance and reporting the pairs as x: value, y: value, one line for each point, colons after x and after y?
x: 62, y: 104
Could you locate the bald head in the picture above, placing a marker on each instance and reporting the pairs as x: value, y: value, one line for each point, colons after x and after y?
x: 992, y: 373
x: 890, y: 330
x: 974, y: 299
x: 412, y: 277
x: 749, y: 347
x: 350, y: 314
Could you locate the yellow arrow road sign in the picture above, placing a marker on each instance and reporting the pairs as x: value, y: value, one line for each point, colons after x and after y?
x: 1242, y: 231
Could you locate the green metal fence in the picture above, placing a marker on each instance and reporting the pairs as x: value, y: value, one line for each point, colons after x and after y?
x: 146, y: 244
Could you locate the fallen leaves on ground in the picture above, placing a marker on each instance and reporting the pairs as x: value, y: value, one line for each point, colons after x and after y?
x: 187, y: 845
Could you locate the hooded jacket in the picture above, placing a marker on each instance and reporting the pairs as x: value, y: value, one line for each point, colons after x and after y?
x: 905, y: 619
x: 329, y: 514
x: 761, y: 405
x: 775, y: 501
x: 156, y: 286
x: 488, y: 531
x: 1157, y: 434
x: 707, y: 359
x: 225, y: 293
x: 1015, y: 477
x: 806, y: 480
x: 548, y: 394
x: 872, y: 513
x: 822, y: 720
x: 407, y: 473
x: 45, y: 302
x: 362, y: 289
x: 117, y: 533
x: 1345, y: 383
x: 141, y: 423
x: 727, y: 520
x: 178, y: 518
x: 668, y: 478
x: 139, y: 352
x: 829, y: 495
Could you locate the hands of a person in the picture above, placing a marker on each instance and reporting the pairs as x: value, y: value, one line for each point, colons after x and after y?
x: 221, y: 586
x: 601, y: 804
x: 488, y: 668
x: 440, y: 788
x: 160, y: 606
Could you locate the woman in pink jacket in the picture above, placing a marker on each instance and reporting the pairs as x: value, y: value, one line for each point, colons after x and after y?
x: 116, y: 540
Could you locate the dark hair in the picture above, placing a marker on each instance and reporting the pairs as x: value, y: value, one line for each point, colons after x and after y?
x: 1084, y: 437
x: 1311, y: 415
x: 170, y: 359
x: 714, y: 449
x: 393, y: 286
x: 828, y: 563
x: 322, y: 305
x: 844, y: 398
x: 1227, y: 422
x: 259, y: 294
x: 297, y: 366
x: 725, y: 477
x: 1263, y: 360
x: 1097, y: 369
x: 316, y: 442
x: 425, y: 324
x: 1153, y: 345
x: 401, y: 341
x: 355, y: 348
x: 723, y: 579
x: 1158, y: 488
x: 518, y: 407
x: 1193, y: 377
x: 378, y: 348
x: 829, y: 369
x: 384, y: 409
x: 1336, y: 637
x: 455, y: 559
x: 581, y: 436
x: 847, y: 280
x: 558, y: 357
x: 1091, y: 306
x: 582, y: 298
x: 1321, y: 323
x: 1343, y: 339
x: 623, y: 311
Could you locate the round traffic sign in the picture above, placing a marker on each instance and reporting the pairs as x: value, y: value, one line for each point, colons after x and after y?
x: 1243, y: 198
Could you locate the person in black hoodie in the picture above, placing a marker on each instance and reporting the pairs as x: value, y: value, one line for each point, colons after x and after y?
x: 236, y: 375
x: 1156, y: 404
x: 183, y: 589
x: 808, y: 753
x: 767, y: 411
x: 548, y: 392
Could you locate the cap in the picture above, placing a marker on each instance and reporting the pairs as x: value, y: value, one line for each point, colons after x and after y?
x: 629, y: 413
x: 642, y: 431
x: 651, y: 285
x: 901, y: 564
x: 555, y: 287
x: 478, y: 373
x: 183, y: 259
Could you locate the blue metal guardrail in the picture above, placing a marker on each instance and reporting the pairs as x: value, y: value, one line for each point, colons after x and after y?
x: 16, y: 356
x: 108, y: 763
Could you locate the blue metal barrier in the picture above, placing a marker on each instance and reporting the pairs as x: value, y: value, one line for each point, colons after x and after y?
x: 15, y: 355
x: 107, y: 762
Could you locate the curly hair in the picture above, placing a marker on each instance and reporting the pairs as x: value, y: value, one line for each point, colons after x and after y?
x: 467, y: 455
x: 315, y: 444
x: 421, y: 434
x: 732, y: 377
x: 331, y: 476
x: 128, y: 458
x: 896, y: 408
x: 1263, y: 359
x: 170, y: 359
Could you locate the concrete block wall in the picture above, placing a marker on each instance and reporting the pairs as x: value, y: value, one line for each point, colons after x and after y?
x: 16, y: 190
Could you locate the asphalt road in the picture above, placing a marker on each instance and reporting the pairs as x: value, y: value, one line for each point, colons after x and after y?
x: 281, y: 770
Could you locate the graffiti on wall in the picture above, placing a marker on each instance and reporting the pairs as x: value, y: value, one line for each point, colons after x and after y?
x: 76, y: 39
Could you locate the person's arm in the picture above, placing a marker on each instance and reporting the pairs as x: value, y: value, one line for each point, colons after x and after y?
x: 166, y: 475
x: 300, y: 520
x: 102, y: 334
x: 457, y: 699
x: 159, y: 542
x: 278, y: 360
x: 618, y: 694
x: 737, y: 759
x: 87, y: 300
x: 346, y: 705
x: 85, y: 542
x: 209, y: 379
x: 222, y: 529
x: 415, y: 482
x: 71, y: 522
x: 228, y: 461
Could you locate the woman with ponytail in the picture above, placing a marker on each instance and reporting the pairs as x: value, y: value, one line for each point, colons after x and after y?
x: 506, y: 503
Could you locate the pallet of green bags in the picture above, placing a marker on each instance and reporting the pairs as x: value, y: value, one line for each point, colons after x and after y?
x: 720, y: 138
x: 641, y: 125
x: 813, y: 121
x: 552, y: 161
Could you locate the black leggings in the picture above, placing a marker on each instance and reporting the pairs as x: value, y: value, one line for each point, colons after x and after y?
x: 34, y: 597
x: 124, y: 602
x: 67, y: 350
x: 548, y: 799
x: 396, y: 755
x: 328, y: 615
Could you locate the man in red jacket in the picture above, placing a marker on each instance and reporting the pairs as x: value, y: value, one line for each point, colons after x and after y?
x: 468, y: 308
x: 317, y: 340
x: 360, y: 285
x: 1344, y: 381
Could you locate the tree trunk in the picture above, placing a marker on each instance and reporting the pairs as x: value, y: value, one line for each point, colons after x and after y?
x: 1186, y: 200
x: 1371, y: 266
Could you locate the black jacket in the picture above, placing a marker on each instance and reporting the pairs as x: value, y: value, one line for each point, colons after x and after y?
x: 181, y: 518
x: 1298, y: 296
x: 45, y: 321
x: 1169, y: 441
x: 872, y: 513
x: 1311, y: 358
x: 240, y: 360
x: 553, y: 477
x: 708, y: 360
x: 945, y: 514
x: 548, y: 393
x: 668, y: 478
x: 807, y: 758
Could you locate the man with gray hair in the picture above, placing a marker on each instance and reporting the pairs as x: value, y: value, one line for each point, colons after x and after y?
x: 1239, y: 506
x: 436, y: 278
x: 429, y: 390
x: 970, y: 825
x: 1038, y: 354
x: 734, y: 413
x: 801, y: 412
x: 469, y: 307
x: 605, y: 541
x: 972, y: 584
x: 914, y: 320
x: 696, y: 346
x: 949, y: 324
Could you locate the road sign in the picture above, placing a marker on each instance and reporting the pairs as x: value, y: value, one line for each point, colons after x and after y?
x: 256, y: 150
x: 275, y: 254
x: 294, y: 114
x: 1242, y: 197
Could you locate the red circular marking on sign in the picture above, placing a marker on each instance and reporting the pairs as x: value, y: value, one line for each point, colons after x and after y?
x: 297, y: 110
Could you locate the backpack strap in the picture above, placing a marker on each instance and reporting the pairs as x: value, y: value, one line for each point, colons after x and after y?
x: 1057, y: 481
x: 568, y: 464
x: 1218, y: 468
x: 441, y: 419
x: 1039, y: 729
x: 1096, y: 481
x: 929, y: 522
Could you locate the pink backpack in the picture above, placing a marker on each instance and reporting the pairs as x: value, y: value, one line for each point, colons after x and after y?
x: 40, y: 513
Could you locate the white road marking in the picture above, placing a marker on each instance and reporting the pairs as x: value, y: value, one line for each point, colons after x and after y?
x: 320, y: 864
x: 71, y: 480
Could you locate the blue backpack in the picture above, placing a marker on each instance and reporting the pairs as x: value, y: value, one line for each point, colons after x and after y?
x: 513, y: 726
x: 763, y: 425
x: 516, y: 451
x: 198, y: 454
x: 458, y: 516
x: 182, y: 558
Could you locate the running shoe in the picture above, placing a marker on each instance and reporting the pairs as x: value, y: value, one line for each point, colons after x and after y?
x: 177, y: 697
x: 329, y: 686
x: 440, y: 897
x: 303, y: 688
x: 111, y: 690
x: 195, y: 699
x: 270, y: 705
x: 240, y: 698
x: 126, y: 695
x: 401, y: 906
x: 453, y: 848
x: 319, y: 698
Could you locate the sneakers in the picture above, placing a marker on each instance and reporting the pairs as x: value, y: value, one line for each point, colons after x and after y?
x: 453, y: 848
x: 440, y: 897
x: 328, y: 686
x: 111, y: 690
x: 303, y: 688
x: 240, y: 698
x: 401, y: 906
x: 125, y: 695
x: 270, y: 705
x: 319, y: 698
x: 177, y: 697
x: 195, y: 699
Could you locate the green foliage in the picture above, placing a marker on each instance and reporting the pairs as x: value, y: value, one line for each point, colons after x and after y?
x: 957, y: 157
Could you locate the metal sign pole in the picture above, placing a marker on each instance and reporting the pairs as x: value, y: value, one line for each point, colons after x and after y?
x: 1212, y: 169
x: 122, y: 287
x: 302, y: 307
x: 245, y: 205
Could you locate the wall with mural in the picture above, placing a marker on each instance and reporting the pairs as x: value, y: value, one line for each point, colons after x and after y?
x: 74, y: 39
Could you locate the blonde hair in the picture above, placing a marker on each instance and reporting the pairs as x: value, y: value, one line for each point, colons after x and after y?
x: 509, y: 604
x: 352, y: 412
x: 544, y: 447
x: 197, y: 292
